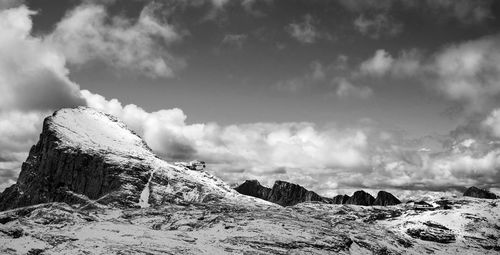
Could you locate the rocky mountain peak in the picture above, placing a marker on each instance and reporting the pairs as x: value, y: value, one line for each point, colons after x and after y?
x: 253, y: 188
x: 479, y: 193
x: 286, y: 193
x: 360, y: 197
x: 84, y: 154
x: 282, y: 193
x: 340, y: 199
x: 385, y: 198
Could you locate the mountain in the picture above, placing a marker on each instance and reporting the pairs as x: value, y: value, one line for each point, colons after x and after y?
x: 479, y: 193
x: 253, y: 188
x: 282, y: 193
x: 385, y: 198
x: 340, y: 199
x: 286, y: 193
x: 83, y: 155
x: 360, y: 198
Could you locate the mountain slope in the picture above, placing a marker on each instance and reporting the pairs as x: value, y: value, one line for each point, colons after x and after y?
x: 85, y: 154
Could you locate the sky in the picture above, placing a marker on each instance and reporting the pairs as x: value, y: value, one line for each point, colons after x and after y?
x: 333, y: 95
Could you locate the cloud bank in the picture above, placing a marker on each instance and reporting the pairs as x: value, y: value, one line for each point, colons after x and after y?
x: 322, y: 158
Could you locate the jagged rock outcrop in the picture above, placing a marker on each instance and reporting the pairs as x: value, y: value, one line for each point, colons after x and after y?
x: 84, y: 154
x: 360, y: 197
x: 286, y: 194
x: 340, y: 199
x: 433, y: 232
x: 282, y: 193
x: 385, y: 198
x: 253, y: 188
x: 479, y: 193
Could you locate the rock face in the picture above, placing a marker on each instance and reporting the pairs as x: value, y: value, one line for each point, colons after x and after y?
x: 385, y: 198
x: 479, y: 193
x: 84, y: 154
x: 361, y: 198
x: 253, y: 188
x: 340, y: 199
x: 282, y: 193
x: 285, y: 194
x: 433, y: 232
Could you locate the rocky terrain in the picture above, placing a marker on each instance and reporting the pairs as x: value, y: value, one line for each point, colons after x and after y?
x: 91, y: 186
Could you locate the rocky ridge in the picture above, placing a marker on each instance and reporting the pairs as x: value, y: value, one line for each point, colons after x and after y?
x: 479, y: 193
x: 282, y: 193
x: 286, y: 194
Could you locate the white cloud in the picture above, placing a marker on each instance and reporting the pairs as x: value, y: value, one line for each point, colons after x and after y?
x: 257, y: 148
x: 32, y: 74
x: 464, y: 11
x: 235, y: 40
x: 87, y: 33
x: 316, y: 74
x: 379, y: 65
x: 407, y: 64
x: 469, y: 72
x: 492, y: 123
x: 305, y: 31
x: 346, y: 89
x: 378, y: 26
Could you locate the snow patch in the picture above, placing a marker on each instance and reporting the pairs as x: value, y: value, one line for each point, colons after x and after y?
x: 144, y: 199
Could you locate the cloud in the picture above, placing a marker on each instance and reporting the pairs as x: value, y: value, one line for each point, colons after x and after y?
x: 32, y: 74
x: 378, y: 26
x: 379, y: 65
x: 492, y: 123
x: 331, y: 158
x: 346, y: 89
x: 305, y: 31
x: 257, y: 148
x: 250, y: 6
x: 234, y: 40
x: 316, y: 74
x: 468, y: 72
x: 7, y: 4
x: 89, y: 33
x: 463, y: 11
x: 407, y: 64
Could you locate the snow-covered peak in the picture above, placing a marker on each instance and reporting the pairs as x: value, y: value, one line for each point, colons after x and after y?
x: 90, y: 130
